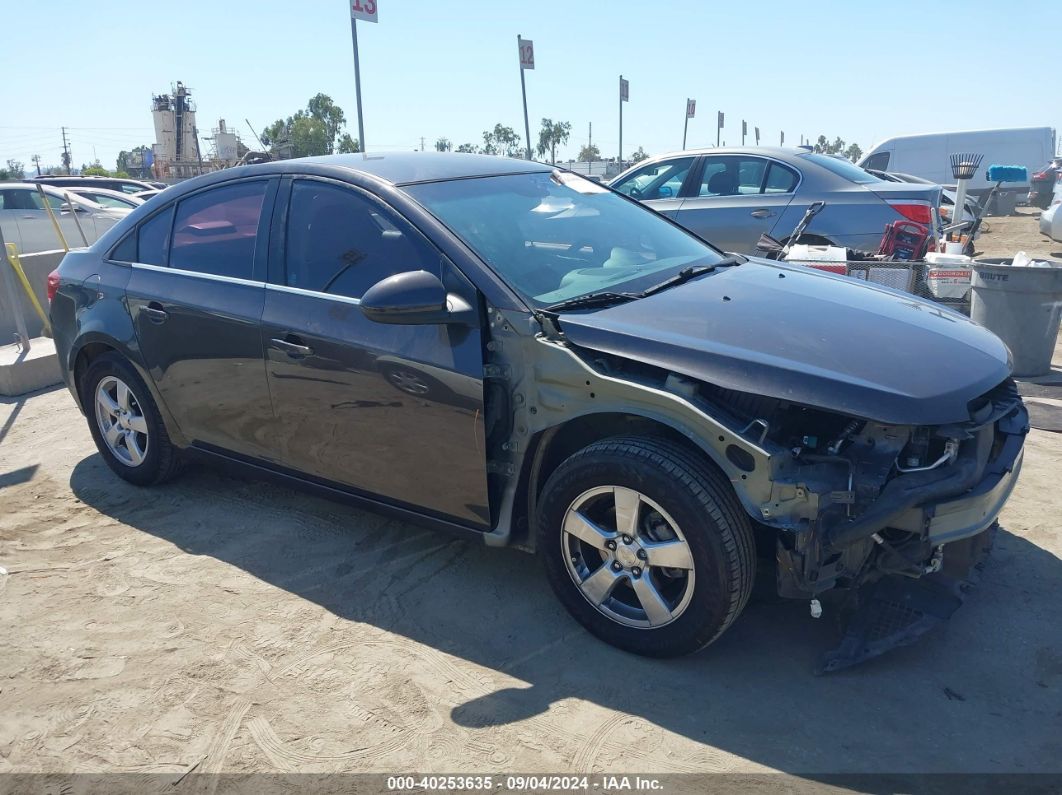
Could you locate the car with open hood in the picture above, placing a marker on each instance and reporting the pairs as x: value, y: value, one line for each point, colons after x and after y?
x: 527, y: 358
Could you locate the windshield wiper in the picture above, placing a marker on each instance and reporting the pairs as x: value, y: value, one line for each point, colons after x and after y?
x: 691, y: 272
x: 592, y: 300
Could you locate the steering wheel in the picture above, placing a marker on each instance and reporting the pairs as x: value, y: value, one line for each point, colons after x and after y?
x: 636, y: 193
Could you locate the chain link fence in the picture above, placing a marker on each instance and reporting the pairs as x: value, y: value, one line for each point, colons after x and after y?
x: 944, y: 284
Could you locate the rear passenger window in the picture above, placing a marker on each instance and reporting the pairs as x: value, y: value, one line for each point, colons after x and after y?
x: 342, y: 243
x: 780, y: 180
x: 215, y: 231
x: 153, y: 239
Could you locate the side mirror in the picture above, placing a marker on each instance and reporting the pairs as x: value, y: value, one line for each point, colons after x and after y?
x: 414, y: 298
x: 664, y: 192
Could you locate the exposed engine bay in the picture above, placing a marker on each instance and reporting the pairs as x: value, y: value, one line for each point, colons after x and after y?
x: 892, y: 520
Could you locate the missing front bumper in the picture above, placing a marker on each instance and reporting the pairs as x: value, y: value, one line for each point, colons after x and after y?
x: 895, y: 611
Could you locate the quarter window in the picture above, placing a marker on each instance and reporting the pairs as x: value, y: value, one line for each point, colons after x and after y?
x: 340, y: 242
x: 153, y: 238
x: 215, y: 231
x: 780, y: 180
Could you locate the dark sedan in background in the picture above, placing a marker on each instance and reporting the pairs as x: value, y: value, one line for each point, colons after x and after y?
x: 525, y: 357
x: 731, y: 196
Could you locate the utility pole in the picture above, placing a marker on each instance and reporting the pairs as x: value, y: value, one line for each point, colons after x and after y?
x: 422, y: 143
x: 37, y: 162
x: 590, y: 138
x: 66, y: 153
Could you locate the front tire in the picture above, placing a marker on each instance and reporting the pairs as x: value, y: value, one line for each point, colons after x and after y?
x: 646, y: 546
x: 125, y: 422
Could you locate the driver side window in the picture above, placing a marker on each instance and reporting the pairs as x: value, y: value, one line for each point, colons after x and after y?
x: 340, y: 242
x: 661, y: 180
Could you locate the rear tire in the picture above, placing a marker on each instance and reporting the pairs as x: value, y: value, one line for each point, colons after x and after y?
x: 646, y: 545
x: 126, y: 424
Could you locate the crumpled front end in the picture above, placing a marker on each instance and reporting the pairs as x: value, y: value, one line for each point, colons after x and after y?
x: 872, y: 509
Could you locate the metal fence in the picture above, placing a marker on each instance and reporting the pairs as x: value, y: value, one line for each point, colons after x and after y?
x: 947, y: 285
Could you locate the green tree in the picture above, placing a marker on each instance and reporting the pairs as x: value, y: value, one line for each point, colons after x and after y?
x: 15, y: 169
x: 589, y: 153
x: 323, y: 109
x: 854, y: 152
x: 347, y: 145
x: 317, y: 130
x: 550, y: 136
x: 308, y: 136
x: 443, y: 145
x: 501, y: 140
x: 639, y: 156
x: 468, y: 148
x: 94, y: 169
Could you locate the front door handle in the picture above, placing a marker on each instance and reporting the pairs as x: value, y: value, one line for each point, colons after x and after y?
x: 762, y: 213
x: 293, y: 349
x: 155, y: 313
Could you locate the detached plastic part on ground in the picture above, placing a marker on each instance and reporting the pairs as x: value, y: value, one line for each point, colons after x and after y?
x: 896, y: 611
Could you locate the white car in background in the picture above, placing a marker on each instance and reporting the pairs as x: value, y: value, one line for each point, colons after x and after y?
x: 25, y: 222
x: 108, y: 198
x: 1051, y: 221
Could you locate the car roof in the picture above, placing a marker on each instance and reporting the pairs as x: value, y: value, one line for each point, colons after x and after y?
x: 404, y: 168
x: 769, y: 151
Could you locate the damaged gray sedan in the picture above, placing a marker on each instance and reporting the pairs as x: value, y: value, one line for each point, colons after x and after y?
x: 524, y: 357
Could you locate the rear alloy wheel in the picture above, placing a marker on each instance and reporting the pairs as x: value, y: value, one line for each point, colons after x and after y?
x: 121, y: 421
x: 645, y: 544
x: 125, y: 422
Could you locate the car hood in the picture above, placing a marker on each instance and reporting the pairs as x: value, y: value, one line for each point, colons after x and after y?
x: 805, y: 336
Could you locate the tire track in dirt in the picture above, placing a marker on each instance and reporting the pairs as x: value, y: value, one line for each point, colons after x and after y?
x: 583, y: 761
x: 215, y: 757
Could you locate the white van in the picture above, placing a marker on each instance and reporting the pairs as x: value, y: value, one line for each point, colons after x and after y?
x: 927, y: 156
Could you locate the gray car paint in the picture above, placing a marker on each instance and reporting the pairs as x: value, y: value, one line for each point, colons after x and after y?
x: 855, y: 215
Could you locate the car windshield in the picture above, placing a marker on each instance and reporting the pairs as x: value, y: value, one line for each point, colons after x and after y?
x: 556, y: 236
x: 843, y: 168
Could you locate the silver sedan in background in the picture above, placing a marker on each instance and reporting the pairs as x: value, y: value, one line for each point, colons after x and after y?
x: 730, y: 196
x: 25, y: 221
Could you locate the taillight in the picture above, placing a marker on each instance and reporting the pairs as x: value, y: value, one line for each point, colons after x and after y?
x: 919, y: 212
x: 53, y: 285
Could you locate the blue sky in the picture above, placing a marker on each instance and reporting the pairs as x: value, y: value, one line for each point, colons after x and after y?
x: 432, y: 68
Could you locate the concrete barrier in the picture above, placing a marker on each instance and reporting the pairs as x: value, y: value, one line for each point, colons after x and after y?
x: 37, y: 267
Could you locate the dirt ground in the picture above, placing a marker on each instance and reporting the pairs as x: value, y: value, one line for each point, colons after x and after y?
x: 219, y: 624
x: 1020, y: 232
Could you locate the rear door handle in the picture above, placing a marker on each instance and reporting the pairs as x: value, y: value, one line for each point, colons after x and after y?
x: 292, y: 348
x: 762, y: 213
x: 155, y: 312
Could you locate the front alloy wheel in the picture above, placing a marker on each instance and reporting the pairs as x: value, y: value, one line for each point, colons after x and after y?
x: 628, y: 557
x: 646, y: 545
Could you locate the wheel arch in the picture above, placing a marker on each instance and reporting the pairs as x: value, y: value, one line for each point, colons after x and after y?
x: 550, y: 447
x: 90, y: 347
